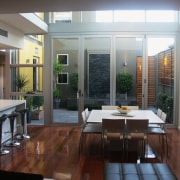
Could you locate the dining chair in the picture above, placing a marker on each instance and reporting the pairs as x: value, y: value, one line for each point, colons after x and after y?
x: 113, y: 130
x: 158, y: 113
x: 133, y: 107
x: 108, y: 107
x: 87, y: 112
x: 161, y: 132
x: 136, y: 131
x: 88, y: 128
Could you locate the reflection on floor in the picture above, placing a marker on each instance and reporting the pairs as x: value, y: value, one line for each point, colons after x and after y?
x: 54, y: 152
x: 59, y: 116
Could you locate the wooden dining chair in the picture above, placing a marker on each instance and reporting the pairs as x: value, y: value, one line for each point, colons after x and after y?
x: 88, y: 128
x: 113, y: 130
x: 136, y: 131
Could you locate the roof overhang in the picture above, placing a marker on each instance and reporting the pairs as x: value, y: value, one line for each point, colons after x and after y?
x: 28, y: 23
x: 19, y: 6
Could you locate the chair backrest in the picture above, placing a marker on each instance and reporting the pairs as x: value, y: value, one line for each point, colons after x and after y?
x: 137, y: 125
x: 163, y: 116
x: 113, y: 125
x: 133, y: 107
x: 159, y: 112
x: 108, y: 107
x: 84, y: 117
x: 87, y: 112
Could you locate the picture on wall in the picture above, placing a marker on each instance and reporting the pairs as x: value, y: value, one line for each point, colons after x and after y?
x: 63, y: 59
x: 62, y: 78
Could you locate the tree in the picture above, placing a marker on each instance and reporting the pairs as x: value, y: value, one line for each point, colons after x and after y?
x: 125, y: 82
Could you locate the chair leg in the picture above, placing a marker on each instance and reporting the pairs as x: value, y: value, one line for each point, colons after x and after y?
x: 81, y: 143
x: 12, y: 142
x: 22, y: 135
x: 165, y: 144
x: 2, y: 149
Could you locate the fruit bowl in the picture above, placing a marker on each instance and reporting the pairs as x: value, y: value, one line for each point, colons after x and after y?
x: 123, y: 110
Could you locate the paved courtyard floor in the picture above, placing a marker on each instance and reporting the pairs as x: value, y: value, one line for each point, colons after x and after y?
x: 59, y: 116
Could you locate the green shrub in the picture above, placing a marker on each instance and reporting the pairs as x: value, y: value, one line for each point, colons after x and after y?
x: 124, y: 82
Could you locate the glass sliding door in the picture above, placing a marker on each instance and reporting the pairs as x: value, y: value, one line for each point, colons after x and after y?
x: 65, y: 80
x: 97, y: 60
x: 129, y: 54
x: 161, y: 75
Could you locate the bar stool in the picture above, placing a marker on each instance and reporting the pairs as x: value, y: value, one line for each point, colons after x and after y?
x: 2, y: 149
x: 22, y: 136
x: 12, y: 118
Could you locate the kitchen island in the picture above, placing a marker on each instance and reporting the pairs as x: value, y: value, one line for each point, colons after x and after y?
x: 7, y: 106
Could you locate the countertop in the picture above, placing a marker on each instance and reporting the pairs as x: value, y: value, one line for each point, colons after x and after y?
x: 7, y: 103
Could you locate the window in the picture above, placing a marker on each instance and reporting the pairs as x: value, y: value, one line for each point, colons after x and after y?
x: 104, y: 16
x: 63, y: 17
x: 62, y: 78
x: 136, y: 16
x: 63, y: 59
x: 161, y: 16
x: 129, y: 16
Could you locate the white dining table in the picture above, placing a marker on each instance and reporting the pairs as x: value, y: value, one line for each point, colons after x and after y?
x: 96, y: 116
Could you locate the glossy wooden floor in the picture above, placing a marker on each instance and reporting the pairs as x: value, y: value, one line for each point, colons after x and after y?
x: 53, y: 152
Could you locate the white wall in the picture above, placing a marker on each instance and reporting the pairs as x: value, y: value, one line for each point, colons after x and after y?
x: 15, y: 38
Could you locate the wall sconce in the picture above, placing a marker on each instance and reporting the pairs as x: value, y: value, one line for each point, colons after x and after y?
x: 140, y: 67
x: 165, y: 61
x: 125, y: 63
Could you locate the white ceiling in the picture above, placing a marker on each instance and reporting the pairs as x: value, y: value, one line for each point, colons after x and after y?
x: 23, y: 6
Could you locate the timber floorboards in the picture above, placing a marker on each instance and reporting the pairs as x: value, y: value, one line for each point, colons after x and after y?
x: 53, y: 152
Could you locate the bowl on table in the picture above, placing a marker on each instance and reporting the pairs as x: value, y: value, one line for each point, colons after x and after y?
x: 123, y: 110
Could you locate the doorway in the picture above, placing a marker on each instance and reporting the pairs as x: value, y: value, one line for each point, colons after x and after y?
x: 65, y: 80
x: 97, y: 69
x: 2, y: 64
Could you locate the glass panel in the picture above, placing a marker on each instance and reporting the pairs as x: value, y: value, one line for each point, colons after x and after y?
x: 35, y: 105
x: 129, y: 16
x: 65, y: 82
x: 161, y: 16
x: 129, y: 71
x: 26, y: 84
x: 161, y: 75
x: 26, y: 79
x: 104, y: 16
x: 96, y: 72
x: 63, y: 17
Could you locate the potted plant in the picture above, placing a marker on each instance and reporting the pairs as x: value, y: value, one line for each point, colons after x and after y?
x: 37, y: 102
x: 74, y: 81
x: 57, y: 67
x: 165, y: 103
x: 33, y: 104
x: 57, y: 93
x: 21, y: 81
x: 125, y: 82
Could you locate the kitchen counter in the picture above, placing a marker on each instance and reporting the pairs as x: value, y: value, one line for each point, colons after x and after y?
x: 7, y: 106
